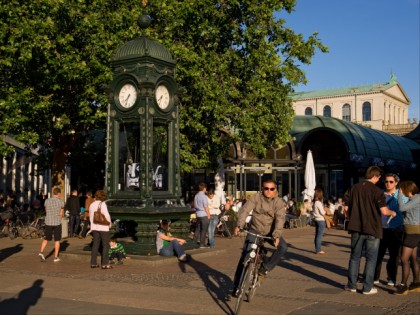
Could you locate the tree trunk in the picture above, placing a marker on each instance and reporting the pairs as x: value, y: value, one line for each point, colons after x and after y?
x: 58, y: 171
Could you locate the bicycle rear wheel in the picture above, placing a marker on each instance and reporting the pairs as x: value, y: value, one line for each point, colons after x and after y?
x: 226, y: 230
x: 13, y: 233
x: 244, y: 286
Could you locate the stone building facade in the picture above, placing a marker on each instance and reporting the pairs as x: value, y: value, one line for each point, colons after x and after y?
x: 379, y: 106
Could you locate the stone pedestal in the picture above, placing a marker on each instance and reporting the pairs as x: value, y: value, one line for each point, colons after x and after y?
x: 146, y: 218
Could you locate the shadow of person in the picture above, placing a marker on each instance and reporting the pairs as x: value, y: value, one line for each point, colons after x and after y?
x: 9, y: 251
x: 313, y: 263
x: 64, y: 245
x: 25, y: 299
x: 216, y: 283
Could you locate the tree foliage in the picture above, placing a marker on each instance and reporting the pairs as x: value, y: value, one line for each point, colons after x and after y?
x: 236, y: 59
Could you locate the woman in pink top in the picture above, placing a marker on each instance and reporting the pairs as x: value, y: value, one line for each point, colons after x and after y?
x: 99, y: 232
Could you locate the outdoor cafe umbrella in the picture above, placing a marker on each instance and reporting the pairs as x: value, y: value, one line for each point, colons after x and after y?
x: 310, y: 181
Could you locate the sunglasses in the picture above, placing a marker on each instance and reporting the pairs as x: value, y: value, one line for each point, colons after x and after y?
x: 388, y: 181
x: 270, y: 188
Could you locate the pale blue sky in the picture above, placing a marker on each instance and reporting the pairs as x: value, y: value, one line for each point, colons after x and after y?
x: 367, y: 40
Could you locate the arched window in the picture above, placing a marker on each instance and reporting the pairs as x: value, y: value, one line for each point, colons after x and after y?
x: 367, y: 111
x: 327, y: 111
x: 308, y: 111
x: 346, y: 112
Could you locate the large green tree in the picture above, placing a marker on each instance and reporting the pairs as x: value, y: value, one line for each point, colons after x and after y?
x: 236, y: 59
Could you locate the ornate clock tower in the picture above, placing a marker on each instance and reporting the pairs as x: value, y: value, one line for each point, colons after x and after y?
x: 142, y: 159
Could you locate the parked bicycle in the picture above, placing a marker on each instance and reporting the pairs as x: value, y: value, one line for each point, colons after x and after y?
x: 250, y: 280
x: 222, y: 227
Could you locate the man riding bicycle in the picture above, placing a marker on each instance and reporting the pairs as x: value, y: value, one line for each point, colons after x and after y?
x: 268, y: 217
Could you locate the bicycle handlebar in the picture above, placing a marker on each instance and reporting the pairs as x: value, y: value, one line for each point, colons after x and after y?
x: 257, y: 235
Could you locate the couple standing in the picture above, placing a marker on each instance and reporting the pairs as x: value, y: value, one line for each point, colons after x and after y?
x: 207, y: 210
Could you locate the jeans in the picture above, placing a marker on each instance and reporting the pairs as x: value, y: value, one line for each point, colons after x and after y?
x: 269, y: 263
x: 74, y: 224
x: 100, y: 237
x: 201, y: 230
x: 84, y: 231
x: 119, y: 255
x: 369, y: 245
x: 319, y: 232
x: 171, y: 248
x: 212, y: 228
x: 391, y: 240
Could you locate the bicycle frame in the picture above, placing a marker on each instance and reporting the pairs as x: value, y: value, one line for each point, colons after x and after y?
x: 249, y: 280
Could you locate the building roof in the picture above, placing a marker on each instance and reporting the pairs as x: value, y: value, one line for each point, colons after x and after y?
x: 360, y: 141
x: 349, y: 91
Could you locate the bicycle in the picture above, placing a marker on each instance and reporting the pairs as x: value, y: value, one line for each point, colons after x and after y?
x: 222, y: 227
x: 249, y: 280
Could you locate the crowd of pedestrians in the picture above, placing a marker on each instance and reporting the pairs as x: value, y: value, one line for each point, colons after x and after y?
x: 379, y: 221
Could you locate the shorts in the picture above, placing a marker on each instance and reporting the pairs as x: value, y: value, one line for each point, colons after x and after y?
x: 411, y: 240
x: 50, y: 229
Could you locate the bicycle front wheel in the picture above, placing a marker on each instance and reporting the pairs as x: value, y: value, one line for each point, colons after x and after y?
x: 244, y: 287
x: 253, y: 283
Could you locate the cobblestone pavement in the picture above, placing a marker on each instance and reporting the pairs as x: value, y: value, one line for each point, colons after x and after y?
x: 304, y: 283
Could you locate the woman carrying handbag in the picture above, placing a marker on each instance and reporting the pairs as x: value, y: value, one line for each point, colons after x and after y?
x: 100, y: 230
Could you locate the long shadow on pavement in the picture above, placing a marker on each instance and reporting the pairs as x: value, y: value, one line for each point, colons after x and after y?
x: 9, y: 251
x: 216, y: 283
x: 20, y: 305
x: 314, y: 263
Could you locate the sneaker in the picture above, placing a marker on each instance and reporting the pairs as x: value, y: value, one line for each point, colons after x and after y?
x: 56, y: 259
x: 376, y: 282
x: 401, y: 290
x: 41, y: 256
x: 414, y: 287
x: 183, y: 258
x: 347, y: 288
x: 372, y: 291
x: 390, y: 283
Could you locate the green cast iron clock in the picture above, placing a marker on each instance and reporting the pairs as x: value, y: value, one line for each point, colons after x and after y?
x: 163, y: 96
x: 127, y: 95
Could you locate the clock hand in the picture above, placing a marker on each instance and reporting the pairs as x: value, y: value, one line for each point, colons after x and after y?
x: 126, y: 100
x: 159, y: 100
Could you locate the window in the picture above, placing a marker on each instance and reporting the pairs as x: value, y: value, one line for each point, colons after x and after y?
x: 346, y: 112
x: 128, y: 156
x: 367, y: 111
x: 308, y: 111
x: 327, y: 111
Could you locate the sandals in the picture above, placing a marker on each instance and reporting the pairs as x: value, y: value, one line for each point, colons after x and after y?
x: 107, y: 267
x: 94, y: 266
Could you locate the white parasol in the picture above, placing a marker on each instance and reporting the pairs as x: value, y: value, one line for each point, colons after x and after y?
x: 310, y: 181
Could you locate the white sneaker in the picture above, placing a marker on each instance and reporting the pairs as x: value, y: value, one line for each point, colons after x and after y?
x: 41, y: 256
x: 391, y: 283
x: 349, y: 289
x: 372, y: 291
x: 56, y: 259
x: 376, y: 282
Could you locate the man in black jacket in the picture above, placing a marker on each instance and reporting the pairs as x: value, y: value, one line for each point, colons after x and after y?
x: 366, y: 202
x: 73, y: 206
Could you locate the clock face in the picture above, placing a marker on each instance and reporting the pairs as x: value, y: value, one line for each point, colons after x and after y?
x: 162, y: 96
x: 128, y: 95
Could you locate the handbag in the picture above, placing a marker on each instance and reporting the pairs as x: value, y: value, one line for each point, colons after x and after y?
x: 99, y: 218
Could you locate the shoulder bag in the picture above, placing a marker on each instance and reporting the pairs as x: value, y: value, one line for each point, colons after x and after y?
x: 99, y: 217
